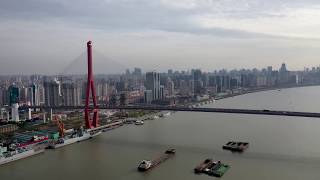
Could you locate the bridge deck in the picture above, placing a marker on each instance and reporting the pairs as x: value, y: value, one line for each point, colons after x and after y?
x: 191, y: 109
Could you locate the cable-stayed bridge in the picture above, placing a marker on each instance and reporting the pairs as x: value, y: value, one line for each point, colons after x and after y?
x: 190, y: 109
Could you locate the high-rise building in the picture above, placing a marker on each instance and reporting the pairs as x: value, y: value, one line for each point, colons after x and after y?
x: 269, y: 69
x: 128, y: 72
x: 137, y: 72
x: 102, y: 90
x: 170, y: 87
x: 283, y: 74
x: 71, y: 94
x: 23, y: 98
x: 13, y: 94
x: 1, y: 98
x: 15, y: 112
x: 283, y: 68
x: 197, y: 83
x: 148, y: 97
x: 153, y: 84
x: 52, y: 93
x: 4, y: 97
x: 35, y: 92
x: 161, y: 92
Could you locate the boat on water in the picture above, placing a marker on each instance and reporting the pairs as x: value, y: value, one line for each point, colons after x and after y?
x: 167, y: 114
x: 76, y: 136
x: 139, y: 122
x: 217, y: 169
x: 212, y: 168
x: 236, y: 146
x: 202, y: 166
x: 146, y: 165
x: 15, y: 152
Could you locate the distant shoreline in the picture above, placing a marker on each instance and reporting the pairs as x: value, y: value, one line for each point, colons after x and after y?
x: 263, y: 89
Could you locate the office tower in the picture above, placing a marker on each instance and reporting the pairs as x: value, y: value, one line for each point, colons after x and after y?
x: 153, y: 84
x: 283, y: 74
x: 13, y: 94
x: 197, y: 84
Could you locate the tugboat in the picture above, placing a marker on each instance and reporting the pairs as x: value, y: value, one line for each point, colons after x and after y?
x: 148, y: 164
x: 144, y: 165
x: 202, y: 166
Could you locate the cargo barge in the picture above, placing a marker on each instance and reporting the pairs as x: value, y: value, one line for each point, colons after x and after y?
x: 217, y: 169
x: 16, y: 153
x: 236, y: 146
x: 146, y: 165
x: 212, y: 168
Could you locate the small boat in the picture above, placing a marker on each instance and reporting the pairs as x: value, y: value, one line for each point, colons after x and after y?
x: 170, y: 151
x: 202, y: 166
x: 144, y: 165
x: 139, y: 122
x: 236, y: 146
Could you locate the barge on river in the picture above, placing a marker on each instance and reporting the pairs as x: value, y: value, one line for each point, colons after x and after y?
x: 146, y: 165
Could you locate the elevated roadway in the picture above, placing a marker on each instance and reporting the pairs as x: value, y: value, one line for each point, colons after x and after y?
x: 190, y: 109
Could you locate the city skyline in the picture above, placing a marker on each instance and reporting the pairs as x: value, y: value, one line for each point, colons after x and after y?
x: 159, y: 89
x: 80, y: 71
x: 136, y: 86
x: 45, y: 36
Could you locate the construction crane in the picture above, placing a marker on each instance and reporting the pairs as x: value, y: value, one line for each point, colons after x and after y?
x: 60, y: 126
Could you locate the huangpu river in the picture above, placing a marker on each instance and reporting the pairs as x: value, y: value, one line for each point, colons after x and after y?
x: 284, y: 148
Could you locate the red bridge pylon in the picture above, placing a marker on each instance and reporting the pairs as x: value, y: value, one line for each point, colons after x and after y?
x: 91, y: 121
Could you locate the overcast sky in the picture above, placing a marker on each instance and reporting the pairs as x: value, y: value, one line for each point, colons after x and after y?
x: 46, y: 36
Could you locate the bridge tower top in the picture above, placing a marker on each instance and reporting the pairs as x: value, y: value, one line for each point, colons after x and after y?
x: 89, y: 120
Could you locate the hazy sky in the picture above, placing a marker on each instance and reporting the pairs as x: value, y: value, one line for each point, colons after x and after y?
x: 45, y: 36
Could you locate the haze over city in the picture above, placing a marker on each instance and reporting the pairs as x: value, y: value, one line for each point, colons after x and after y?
x: 42, y: 36
x: 159, y: 89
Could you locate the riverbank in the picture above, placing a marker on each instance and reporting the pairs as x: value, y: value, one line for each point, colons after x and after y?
x: 245, y: 91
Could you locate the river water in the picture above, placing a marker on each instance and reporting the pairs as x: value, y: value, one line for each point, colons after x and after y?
x: 280, y: 147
